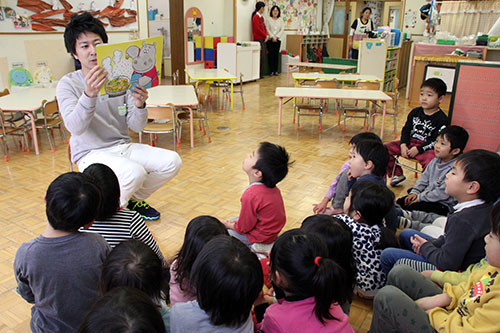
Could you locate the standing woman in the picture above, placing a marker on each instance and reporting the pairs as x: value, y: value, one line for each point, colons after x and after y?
x: 361, y: 25
x: 275, y: 28
x: 259, y: 31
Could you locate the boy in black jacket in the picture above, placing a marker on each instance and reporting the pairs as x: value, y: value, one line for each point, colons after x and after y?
x: 420, y: 130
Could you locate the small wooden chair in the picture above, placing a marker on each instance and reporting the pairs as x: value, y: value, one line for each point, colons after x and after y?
x: 226, y: 92
x: 366, y: 110
x: 415, y: 169
x: 161, y: 121
x: 199, y: 112
x: 51, y: 119
x: 312, y: 107
x: 12, y: 128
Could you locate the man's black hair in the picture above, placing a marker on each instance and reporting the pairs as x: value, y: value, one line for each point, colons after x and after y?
x: 376, y: 152
x: 72, y: 201
x: 82, y: 23
x: 436, y: 84
x: 457, y: 136
x: 273, y: 162
x: 482, y: 166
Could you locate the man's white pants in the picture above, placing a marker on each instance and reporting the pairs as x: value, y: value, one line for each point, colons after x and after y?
x: 141, y: 169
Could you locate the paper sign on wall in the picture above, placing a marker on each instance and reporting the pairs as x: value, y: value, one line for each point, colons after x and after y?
x: 130, y: 64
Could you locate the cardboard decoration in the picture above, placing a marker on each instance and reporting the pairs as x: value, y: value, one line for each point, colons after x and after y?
x: 130, y: 64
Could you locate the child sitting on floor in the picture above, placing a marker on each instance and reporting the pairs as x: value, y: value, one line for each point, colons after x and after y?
x: 337, y: 237
x: 412, y: 303
x: 428, y: 194
x: 199, y: 231
x: 227, y: 278
x: 133, y: 264
x: 366, y: 205
x: 420, y: 130
x: 114, y: 224
x: 314, y: 286
x: 339, y: 184
x: 474, y: 181
x: 59, y: 270
x: 262, y: 214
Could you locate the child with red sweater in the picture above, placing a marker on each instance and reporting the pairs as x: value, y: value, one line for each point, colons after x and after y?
x: 262, y: 214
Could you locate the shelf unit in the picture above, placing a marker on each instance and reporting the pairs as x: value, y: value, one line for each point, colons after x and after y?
x: 297, y: 44
x: 375, y: 58
x: 240, y: 59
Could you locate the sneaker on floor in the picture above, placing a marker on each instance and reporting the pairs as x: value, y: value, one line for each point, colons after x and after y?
x: 144, y: 209
x: 397, y: 180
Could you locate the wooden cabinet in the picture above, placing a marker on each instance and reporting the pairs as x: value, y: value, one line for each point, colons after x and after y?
x: 375, y: 58
x: 298, y: 44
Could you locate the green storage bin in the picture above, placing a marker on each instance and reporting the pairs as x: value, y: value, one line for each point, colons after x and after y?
x: 339, y: 61
x: 445, y: 42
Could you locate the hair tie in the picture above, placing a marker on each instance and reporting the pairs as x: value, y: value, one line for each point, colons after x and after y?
x: 316, y: 260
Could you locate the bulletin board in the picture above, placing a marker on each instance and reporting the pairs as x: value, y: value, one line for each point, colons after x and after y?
x: 37, y: 16
x: 297, y: 14
x: 475, y: 103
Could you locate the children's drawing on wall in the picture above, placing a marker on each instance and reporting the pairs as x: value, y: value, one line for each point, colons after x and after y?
x: 1, y: 15
x: 130, y: 64
x: 297, y: 14
x: 9, y: 12
x: 21, y: 22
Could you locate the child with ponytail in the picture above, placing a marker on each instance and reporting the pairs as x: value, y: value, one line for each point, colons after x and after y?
x: 313, y: 284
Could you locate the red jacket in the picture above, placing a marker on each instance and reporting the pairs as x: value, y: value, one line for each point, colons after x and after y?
x: 258, y: 27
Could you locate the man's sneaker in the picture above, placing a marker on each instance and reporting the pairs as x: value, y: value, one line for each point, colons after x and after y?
x: 397, y: 179
x: 144, y: 209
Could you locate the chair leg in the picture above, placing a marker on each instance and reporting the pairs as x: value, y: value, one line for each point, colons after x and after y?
x: 140, y: 137
x: 208, y: 131
x: 63, y: 133
x: 320, y: 119
x: 242, y: 99
x: 50, y: 140
x: 180, y: 134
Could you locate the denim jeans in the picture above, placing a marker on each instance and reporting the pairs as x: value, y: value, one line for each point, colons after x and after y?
x: 391, y: 255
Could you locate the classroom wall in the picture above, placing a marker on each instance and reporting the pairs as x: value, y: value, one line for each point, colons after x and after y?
x: 50, y: 48
x: 217, y: 15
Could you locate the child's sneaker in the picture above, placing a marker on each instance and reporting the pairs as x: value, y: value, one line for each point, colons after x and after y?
x: 144, y: 209
x: 397, y: 179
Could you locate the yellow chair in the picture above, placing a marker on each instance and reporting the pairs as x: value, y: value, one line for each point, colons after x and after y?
x: 365, y: 110
x: 51, y: 119
x: 161, y: 120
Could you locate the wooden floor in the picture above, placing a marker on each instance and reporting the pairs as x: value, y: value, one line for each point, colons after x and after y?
x: 211, y: 181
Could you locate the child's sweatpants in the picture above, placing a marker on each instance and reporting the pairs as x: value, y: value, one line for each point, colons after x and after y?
x: 394, y: 307
x: 394, y: 149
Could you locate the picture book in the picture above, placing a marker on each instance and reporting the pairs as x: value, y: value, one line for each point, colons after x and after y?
x: 130, y: 64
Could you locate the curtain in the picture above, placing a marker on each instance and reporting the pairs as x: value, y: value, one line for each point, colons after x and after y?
x: 328, y: 6
x: 464, y: 18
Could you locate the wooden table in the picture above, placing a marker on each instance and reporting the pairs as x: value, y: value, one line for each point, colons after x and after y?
x: 210, y: 75
x: 339, y: 77
x: 181, y: 96
x: 28, y: 101
x: 364, y: 95
x: 318, y: 65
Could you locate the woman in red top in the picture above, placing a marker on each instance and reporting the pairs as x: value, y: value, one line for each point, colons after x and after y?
x: 259, y: 30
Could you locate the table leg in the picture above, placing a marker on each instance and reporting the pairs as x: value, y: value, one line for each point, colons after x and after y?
x: 383, y: 121
x: 232, y: 99
x: 191, y: 131
x: 32, y: 116
x: 279, y: 117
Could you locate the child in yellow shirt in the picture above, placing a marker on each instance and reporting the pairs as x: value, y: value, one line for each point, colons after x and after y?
x: 414, y: 303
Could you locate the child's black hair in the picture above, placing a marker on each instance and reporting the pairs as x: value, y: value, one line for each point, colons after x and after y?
x: 337, y: 237
x: 106, y: 179
x: 376, y: 152
x: 273, y: 162
x: 457, y: 136
x: 199, y: 231
x: 72, y: 201
x: 363, y: 136
x: 123, y: 310
x: 294, y: 255
x: 227, y: 278
x: 482, y: 166
x: 271, y: 11
x: 495, y: 219
x: 133, y: 264
x: 436, y: 84
x: 82, y: 23
x: 373, y: 201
